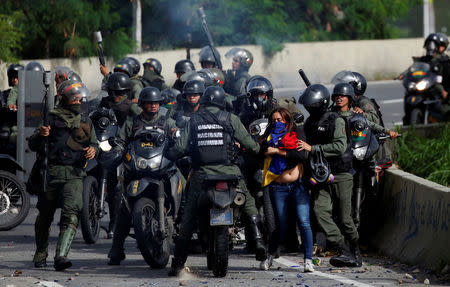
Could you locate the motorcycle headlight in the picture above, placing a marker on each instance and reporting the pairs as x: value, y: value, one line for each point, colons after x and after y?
x: 141, y: 163
x: 420, y: 86
x: 104, y: 145
x: 360, y: 153
x: 155, y: 162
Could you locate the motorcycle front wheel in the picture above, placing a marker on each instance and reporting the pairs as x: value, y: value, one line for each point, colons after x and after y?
x: 218, y: 256
x: 89, y: 217
x: 14, y: 201
x: 146, y: 224
x: 416, y: 117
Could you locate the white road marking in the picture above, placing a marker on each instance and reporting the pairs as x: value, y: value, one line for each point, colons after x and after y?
x: 293, y: 265
x: 50, y: 284
x: 394, y: 101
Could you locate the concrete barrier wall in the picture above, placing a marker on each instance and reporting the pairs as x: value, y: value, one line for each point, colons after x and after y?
x: 416, y: 227
x: 376, y: 59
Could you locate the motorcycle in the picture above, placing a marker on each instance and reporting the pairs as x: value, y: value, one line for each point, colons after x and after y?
x: 95, y: 184
x: 367, y: 177
x: 220, y: 209
x: 153, y: 194
x: 422, y: 99
x: 14, y: 200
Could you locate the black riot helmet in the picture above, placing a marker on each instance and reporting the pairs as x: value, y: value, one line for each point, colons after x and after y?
x: 184, y: 66
x: 151, y: 62
x: 118, y: 84
x: 34, y: 66
x: 204, y: 75
x: 214, y: 96
x: 442, y: 40
x: 149, y: 94
x: 315, y: 99
x: 258, y: 85
x: 124, y: 67
x: 135, y: 65
x: 193, y: 87
x: 344, y: 89
x: 244, y: 57
x: 169, y: 95
x: 207, y: 57
x: 431, y: 44
x: 13, y: 72
x: 355, y: 79
x: 70, y: 90
x: 62, y: 74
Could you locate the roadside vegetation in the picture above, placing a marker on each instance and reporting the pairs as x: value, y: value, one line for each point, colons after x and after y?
x: 428, y: 158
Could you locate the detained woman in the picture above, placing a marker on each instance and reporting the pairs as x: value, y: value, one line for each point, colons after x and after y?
x: 283, y: 170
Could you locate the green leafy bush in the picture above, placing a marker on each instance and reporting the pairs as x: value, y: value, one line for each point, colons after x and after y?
x: 426, y: 157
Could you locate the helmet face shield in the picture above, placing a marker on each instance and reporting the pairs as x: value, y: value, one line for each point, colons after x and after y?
x: 243, y: 56
x: 76, y: 92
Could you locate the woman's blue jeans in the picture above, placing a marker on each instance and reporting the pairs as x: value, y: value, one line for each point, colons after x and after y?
x: 281, y: 195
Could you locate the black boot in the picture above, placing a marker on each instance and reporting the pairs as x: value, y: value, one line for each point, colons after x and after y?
x: 62, y: 248
x: 344, y: 259
x: 123, y: 224
x: 256, y: 237
x: 62, y: 264
x: 354, y: 249
x: 40, y: 264
x: 179, y: 257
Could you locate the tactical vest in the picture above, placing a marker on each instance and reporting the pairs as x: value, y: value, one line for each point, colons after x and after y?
x: 121, y: 110
x: 211, y: 138
x: 157, y: 83
x: 66, y: 145
x: 231, y: 79
x: 322, y: 132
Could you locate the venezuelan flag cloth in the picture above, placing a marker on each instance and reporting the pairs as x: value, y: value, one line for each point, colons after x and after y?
x: 274, y: 165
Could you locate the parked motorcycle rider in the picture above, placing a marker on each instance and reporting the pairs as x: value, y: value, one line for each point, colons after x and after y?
x: 435, y: 45
x: 72, y: 141
x: 444, y: 60
x: 207, y: 59
x: 221, y: 162
x: 238, y: 75
x: 182, y: 67
x: 150, y: 101
x: 118, y: 88
x: 327, y: 132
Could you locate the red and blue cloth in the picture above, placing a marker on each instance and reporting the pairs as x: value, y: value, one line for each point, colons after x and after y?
x: 274, y: 165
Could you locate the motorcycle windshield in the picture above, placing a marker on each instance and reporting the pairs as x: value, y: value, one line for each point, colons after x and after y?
x: 149, y: 144
x: 103, y: 134
x: 418, y: 71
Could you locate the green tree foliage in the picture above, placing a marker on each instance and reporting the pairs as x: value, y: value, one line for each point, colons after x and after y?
x: 64, y: 28
x: 426, y: 157
x: 10, y: 38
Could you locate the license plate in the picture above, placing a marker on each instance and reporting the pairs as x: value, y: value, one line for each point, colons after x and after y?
x: 221, y: 216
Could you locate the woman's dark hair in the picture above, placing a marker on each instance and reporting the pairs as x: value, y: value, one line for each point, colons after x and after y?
x: 287, y: 117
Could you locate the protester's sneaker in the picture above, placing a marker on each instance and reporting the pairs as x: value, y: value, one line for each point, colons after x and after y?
x: 265, y: 265
x: 309, y: 266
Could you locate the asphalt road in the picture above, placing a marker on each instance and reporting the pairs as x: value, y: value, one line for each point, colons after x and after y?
x: 90, y: 268
x: 388, y: 94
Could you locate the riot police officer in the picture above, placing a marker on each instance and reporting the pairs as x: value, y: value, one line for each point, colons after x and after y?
x: 182, y: 67
x: 326, y: 131
x: 170, y: 97
x: 207, y: 57
x: 218, y: 161
x: 72, y: 141
x: 119, y: 88
x: 238, y: 75
x: 9, y: 97
x: 192, y: 92
x: 150, y: 101
x: 152, y: 75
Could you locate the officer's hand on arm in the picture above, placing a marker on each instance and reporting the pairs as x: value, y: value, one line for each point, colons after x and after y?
x: 302, y: 145
x: 104, y: 70
x: 44, y: 131
x: 275, y: 151
x: 444, y: 94
x: 90, y: 152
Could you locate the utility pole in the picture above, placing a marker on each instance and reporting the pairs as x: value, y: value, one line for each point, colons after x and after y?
x: 428, y: 18
x: 137, y: 24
